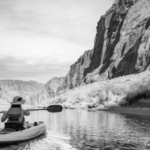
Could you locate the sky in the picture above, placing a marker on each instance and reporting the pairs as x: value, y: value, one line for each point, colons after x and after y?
x: 41, y: 39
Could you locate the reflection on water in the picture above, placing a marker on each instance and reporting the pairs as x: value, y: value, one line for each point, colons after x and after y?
x: 83, y: 130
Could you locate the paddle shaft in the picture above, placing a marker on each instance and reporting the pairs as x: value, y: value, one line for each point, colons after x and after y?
x: 31, y: 110
x: 51, y: 108
x: 38, y: 109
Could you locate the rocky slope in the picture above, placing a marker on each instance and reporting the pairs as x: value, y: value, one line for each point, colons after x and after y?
x: 55, y: 85
x: 74, y: 77
x: 121, y: 45
x: 33, y: 92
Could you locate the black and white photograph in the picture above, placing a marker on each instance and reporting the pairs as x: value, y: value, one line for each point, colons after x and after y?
x: 74, y: 74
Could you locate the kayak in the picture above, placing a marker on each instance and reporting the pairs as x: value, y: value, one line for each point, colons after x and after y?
x: 14, y: 137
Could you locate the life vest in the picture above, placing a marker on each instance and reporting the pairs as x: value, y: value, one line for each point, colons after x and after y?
x: 15, y: 114
x: 15, y: 119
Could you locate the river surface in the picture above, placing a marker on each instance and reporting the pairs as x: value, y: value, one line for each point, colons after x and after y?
x: 83, y: 130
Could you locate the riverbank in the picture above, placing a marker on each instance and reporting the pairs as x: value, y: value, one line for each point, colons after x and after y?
x: 127, y: 110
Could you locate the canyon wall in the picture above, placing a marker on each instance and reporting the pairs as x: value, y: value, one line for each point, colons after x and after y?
x: 122, y: 41
x: 121, y: 46
x: 74, y: 78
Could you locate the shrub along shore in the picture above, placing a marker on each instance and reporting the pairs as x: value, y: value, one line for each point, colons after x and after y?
x: 127, y: 110
x: 127, y: 94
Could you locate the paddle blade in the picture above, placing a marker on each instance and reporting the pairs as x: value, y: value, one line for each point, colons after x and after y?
x: 54, y: 108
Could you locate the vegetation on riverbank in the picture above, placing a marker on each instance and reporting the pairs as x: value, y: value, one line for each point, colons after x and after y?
x: 140, y: 96
x: 123, y: 91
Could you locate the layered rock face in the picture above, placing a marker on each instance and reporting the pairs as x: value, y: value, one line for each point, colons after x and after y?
x: 74, y: 77
x: 122, y: 41
x: 21, y: 85
x: 122, y: 45
x: 33, y: 92
x: 55, y: 85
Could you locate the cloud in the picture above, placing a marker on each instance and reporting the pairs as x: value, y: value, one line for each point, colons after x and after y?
x: 37, y: 47
x: 74, y: 20
x: 24, y: 69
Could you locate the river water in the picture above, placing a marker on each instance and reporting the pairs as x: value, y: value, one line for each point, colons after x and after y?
x: 83, y: 130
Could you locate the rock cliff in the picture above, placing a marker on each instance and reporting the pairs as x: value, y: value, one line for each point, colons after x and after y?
x: 74, y: 77
x: 55, y: 85
x: 33, y: 92
x: 122, y: 41
x: 122, y: 45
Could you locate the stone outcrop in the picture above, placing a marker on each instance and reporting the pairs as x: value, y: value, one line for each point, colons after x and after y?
x: 122, y: 45
x: 74, y: 77
x: 33, y: 92
x: 55, y: 85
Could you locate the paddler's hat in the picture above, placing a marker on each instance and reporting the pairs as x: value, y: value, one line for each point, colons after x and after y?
x: 17, y: 100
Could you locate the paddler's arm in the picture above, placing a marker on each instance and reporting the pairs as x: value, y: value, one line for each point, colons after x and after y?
x: 4, y: 117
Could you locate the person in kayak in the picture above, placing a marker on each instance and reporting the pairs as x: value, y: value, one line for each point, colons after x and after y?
x: 15, y: 114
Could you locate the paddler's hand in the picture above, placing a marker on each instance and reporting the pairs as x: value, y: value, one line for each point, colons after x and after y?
x: 4, y: 116
x: 4, y: 111
x: 27, y: 112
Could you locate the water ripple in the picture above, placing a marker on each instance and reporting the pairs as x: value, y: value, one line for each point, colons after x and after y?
x: 82, y: 130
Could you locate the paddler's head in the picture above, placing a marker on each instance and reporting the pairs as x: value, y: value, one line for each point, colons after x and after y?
x: 18, y: 101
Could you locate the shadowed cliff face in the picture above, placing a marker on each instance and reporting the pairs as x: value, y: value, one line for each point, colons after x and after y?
x: 122, y: 41
x: 122, y: 45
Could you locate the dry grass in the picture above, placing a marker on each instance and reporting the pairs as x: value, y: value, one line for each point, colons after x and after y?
x: 116, y: 92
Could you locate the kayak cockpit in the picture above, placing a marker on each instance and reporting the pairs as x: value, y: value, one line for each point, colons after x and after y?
x: 9, y: 136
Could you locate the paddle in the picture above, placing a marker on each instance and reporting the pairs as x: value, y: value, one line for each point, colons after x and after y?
x: 51, y: 108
